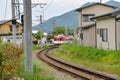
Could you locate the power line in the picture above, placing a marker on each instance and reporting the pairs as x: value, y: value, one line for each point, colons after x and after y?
x: 33, y: 5
x: 48, y: 5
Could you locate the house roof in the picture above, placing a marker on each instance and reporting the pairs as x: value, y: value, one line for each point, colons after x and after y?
x: 5, y: 21
x: 88, y: 26
x: 91, y: 4
x: 112, y: 14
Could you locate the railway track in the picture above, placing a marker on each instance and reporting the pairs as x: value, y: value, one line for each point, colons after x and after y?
x: 82, y: 72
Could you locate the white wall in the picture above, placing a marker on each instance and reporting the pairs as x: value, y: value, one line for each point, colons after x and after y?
x: 108, y: 23
x: 10, y: 38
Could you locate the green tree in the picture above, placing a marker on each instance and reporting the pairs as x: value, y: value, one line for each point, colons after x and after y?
x: 58, y: 30
x: 49, y: 37
x: 70, y: 31
x: 38, y: 35
x: 61, y: 30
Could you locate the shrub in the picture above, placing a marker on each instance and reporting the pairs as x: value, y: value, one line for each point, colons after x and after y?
x: 11, y: 56
x: 1, y: 59
x: 9, y: 33
x: 0, y: 40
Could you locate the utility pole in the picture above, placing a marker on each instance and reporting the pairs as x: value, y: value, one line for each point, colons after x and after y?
x: 100, y: 1
x: 13, y: 21
x: 28, y: 35
x: 66, y: 31
x: 43, y: 17
x: 75, y: 33
x: 80, y: 30
x: 54, y: 24
x: 41, y: 29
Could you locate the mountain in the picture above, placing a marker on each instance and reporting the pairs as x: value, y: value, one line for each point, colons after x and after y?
x: 69, y: 19
x: 113, y: 3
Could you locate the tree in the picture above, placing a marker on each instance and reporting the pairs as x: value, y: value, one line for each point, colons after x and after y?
x: 38, y: 35
x: 61, y: 30
x: 70, y: 31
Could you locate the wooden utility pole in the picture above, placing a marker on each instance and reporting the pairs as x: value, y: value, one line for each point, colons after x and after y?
x: 28, y: 35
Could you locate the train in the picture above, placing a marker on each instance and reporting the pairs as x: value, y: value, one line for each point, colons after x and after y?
x: 61, y: 39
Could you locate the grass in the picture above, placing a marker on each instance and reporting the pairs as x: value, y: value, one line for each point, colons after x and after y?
x: 39, y: 71
x: 36, y: 48
x: 103, y: 60
x: 38, y: 74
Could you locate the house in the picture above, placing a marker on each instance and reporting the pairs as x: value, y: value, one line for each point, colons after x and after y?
x: 108, y: 30
x: 87, y: 28
x: 6, y: 31
x: 6, y: 27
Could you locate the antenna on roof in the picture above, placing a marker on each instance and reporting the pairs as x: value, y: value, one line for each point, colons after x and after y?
x: 100, y: 1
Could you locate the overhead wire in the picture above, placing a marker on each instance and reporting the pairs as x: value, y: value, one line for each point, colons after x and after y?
x: 48, y: 5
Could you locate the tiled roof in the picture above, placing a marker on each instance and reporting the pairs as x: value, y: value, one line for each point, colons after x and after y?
x: 3, y: 21
x: 88, y: 4
x: 111, y: 3
x: 88, y: 26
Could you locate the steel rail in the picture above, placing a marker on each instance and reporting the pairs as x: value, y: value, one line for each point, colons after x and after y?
x: 80, y: 71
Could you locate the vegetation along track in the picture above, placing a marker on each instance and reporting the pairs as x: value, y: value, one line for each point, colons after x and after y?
x: 82, y: 72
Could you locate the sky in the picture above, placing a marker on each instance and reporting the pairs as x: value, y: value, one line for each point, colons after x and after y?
x: 51, y: 9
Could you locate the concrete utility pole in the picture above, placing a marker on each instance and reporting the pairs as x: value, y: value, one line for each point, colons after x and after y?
x: 41, y: 29
x: 75, y: 33
x: 54, y: 24
x: 100, y: 1
x: 13, y: 21
x: 28, y: 35
x: 66, y: 31
x: 80, y: 30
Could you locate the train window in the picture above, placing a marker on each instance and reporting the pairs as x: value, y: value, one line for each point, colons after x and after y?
x: 55, y: 39
x: 60, y: 39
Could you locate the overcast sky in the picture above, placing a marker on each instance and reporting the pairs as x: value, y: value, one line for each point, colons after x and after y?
x: 53, y: 8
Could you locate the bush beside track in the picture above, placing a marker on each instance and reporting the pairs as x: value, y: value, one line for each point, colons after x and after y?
x: 10, y: 57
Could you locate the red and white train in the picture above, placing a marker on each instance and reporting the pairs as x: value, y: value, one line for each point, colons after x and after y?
x: 61, y: 39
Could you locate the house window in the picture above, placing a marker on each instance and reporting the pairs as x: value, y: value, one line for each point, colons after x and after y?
x: 104, y: 34
x: 88, y: 17
x: 101, y: 32
x: 10, y: 28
